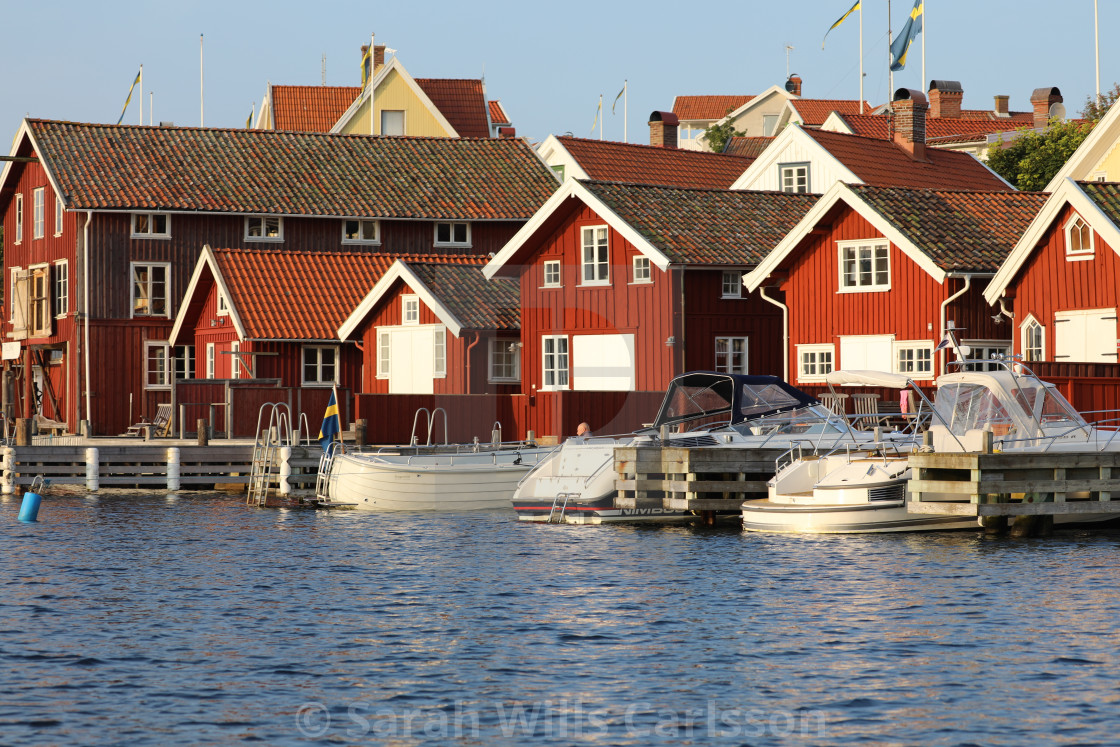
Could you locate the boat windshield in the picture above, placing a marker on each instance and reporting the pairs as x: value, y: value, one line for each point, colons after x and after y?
x: 1033, y: 409
x: 704, y: 398
x: 811, y: 420
x: 967, y: 406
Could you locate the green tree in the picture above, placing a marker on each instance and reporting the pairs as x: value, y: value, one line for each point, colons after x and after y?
x: 1030, y: 161
x: 717, y: 134
x: 1097, y: 106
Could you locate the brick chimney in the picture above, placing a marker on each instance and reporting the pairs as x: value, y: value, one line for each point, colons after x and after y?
x: 507, y: 132
x: 1042, y: 99
x: 945, y: 99
x: 663, y: 129
x: 909, y: 108
x: 1002, y: 109
x: 793, y: 84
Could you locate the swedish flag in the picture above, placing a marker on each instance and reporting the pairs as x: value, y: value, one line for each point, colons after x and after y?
x: 909, y: 32
x: 330, y: 428
x: 130, y: 89
x: 843, y: 18
x: 367, y: 60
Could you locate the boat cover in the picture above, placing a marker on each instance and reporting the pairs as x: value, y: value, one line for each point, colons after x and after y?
x: 703, y: 394
x: 868, y: 378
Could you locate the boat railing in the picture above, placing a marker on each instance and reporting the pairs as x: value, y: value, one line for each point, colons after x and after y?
x: 430, y: 421
x: 788, y: 458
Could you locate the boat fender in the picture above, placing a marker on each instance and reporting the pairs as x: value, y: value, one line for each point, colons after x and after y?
x: 29, y: 511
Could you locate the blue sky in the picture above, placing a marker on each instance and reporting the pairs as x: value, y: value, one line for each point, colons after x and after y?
x: 547, y: 62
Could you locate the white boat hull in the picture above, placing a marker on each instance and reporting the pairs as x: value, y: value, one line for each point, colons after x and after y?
x: 850, y: 518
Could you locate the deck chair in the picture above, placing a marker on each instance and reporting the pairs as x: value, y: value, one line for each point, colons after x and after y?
x: 835, y: 402
x: 160, y: 425
x: 46, y: 425
x: 867, y: 409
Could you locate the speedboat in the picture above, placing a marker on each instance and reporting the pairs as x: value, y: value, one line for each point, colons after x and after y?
x: 702, y: 409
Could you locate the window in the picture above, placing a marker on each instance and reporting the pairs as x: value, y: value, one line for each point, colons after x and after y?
x: 559, y: 171
x: 158, y: 374
x: 151, y: 226
x: 359, y: 231
x: 40, y: 301
x: 865, y: 266
x: 392, y: 122
x: 505, y: 360
x: 596, y: 267
x: 552, y: 274
x: 555, y: 362
x: 439, y: 351
x: 264, y: 228
x: 61, y: 288
x: 1079, y: 239
x: 914, y: 359
x: 57, y: 216
x: 769, y: 124
x: 410, y: 309
x: 234, y: 360
x: 793, y: 177
x: 223, y: 305
x: 319, y: 365
x: 641, y: 270
x: 732, y: 284
x: 985, y: 351
x: 453, y: 234
x: 211, y: 360
x: 384, y: 345
x: 38, y: 195
x: 19, y: 218
x: 731, y: 355
x: 814, y: 362
x: 183, y: 362
x: 1034, y: 340
x: 149, y: 289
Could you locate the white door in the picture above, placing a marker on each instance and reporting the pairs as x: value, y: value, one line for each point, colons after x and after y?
x: 603, y: 363
x: 1085, y: 336
x: 867, y: 353
x: 411, y: 361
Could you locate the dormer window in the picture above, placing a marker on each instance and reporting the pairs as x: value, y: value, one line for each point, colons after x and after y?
x: 264, y: 228
x: 453, y: 234
x: 151, y: 226
x: 1079, y: 239
x: 358, y: 231
x: 864, y: 266
x: 794, y: 177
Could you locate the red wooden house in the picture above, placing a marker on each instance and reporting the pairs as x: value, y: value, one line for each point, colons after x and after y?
x: 1060, y: 285
x: 437, y: 328
x: 624, y: 286
x: 103, y: 226
x: 872, y: 277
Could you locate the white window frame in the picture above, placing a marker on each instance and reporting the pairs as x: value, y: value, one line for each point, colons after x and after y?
x: 132, y: 267
x: 983, y: 350
x: 595, y: 256
x: 439, y: 352
x: 450, y: 240
x: 182, y: 360
x: 1081, y: 226
x: 731, y: 284
x: 319, y: 380
x: 812, y: 364
x: 234, y: 368
x: 362, y: 225
x: 1025, y: 329
x: 919, y: 363
x: 58, y: 215
x: 509, y: 349
x: 384, y: 353
x: 642, y: 274
x: 261, y: 223
x: 19, y: 219
x: 38, y: 212
x: 147, y: 228
x: 404, y: 121
x: 223, y: 306
x: 61, y: 283
x: 879, y: 249
x: 211, y: 359
x: 162, y: 372
x: 789, y: 180
x: 730, y: 366
x: 551, y: 266
x: 555, y: 374
x: 769, y: 124
x: 410, y: 310
x: 40, y: 295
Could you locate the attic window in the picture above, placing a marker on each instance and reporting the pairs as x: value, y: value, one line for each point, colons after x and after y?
x: 1079, y: 239
x: 151, y: 226
x: 453, y: 234
x: 264, y: 228
x: 361, y: 232
x: 794, y: 177
x: 864, y: 266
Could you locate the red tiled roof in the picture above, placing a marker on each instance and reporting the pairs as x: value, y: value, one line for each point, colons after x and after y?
x: 749, y: 147
x: 461, y: 101
x: 879, y: 126
x: 605, y: 160
x: 814, y: 112
x: 498, y: 115
x: 882, y: 163
x: 310, y: 108
x: 286, y: 295
x: 1019, y: 119
x: 289, y: 173
x: 706, y: 107
x: 959, y: 231
x: 476, y: 302
x: 701, y: 226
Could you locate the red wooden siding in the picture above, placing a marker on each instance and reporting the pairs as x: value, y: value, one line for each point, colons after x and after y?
x: 709, y: 316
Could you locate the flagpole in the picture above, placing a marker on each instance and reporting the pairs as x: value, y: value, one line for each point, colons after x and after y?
x: 369, y: 82
x: 626, y: 104
x: 601, y: 117
x: 141, y: 95
x: 151, y: 108
x: 925, y: 80
x: 1097, y: 48
x: 201, y: 86
x: 890, y: 73
x: 861, y: 58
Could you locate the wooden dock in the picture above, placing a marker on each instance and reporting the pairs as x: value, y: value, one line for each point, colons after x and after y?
x: 692, y: 479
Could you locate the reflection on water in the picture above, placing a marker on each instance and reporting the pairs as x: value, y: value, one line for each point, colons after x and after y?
x: 186, y: 619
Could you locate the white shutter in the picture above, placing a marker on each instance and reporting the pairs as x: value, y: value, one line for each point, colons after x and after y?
x: 1085, y: 336
x: 867, y: 353
x: 603, y: 363
x: 21, y: 282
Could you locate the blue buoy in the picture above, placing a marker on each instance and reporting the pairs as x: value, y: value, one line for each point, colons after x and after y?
x: 29, y: 511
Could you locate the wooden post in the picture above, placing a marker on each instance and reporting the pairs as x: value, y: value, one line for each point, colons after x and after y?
x: 360, y: 432
x: 23, y: 431
x: 203, y: 433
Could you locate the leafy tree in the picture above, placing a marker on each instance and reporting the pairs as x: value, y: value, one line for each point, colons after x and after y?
x: 1032, y: 159
x: 1097, y: 107
x: 718, y: 134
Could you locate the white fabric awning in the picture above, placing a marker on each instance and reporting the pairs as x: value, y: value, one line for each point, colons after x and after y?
x: 868, y: 378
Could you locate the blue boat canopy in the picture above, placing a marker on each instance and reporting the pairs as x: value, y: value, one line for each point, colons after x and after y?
x: 704, y: 394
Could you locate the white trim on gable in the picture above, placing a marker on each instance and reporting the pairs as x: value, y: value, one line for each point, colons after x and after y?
x: 792, y: 137
x: 207, y: 261
x: 398, y: 271
x: 1093, y: 149
x: 370, y: 91
x: 573, y: 189
x: 757, y: 101
x: 25, y: 132
x: 1067, y: 193
x: 553, y: 153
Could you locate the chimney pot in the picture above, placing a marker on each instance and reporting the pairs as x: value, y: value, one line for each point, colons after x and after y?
x: 663, y: 129
x: 793, y: 84
x: 909, y: 109
x: 945, y: 98
x: 1041, y: 101
x: 1002, y: 106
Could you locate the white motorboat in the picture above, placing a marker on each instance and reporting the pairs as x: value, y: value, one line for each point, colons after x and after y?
x: 576, y: 483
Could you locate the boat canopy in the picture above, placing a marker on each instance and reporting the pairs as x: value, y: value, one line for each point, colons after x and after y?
x: 868, y: 378
x: 1014, y: 406
x: 704, y: 394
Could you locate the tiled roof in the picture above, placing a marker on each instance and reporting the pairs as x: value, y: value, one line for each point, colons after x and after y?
x: 814, y: 112
x: 1106, y: 196
x: 749, y: 147
x: 604, y: 160
x: 310, y: 108
x: 959, y: 231
x: 476, y: 302
x: 287, y: 173
x: 461, y: 101
x: 882, y: 163
x: 937, y: 128
x: 498, y: 115
x: 1018, y: 119
x: 699, y: 226
x: 706, y: 107
x: 286, y: 295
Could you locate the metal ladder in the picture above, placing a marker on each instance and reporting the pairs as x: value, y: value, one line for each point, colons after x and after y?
x: 323, y: 478
x: 558, y: 518
x: 277, y: 433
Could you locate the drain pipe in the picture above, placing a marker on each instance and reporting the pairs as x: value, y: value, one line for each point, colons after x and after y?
x: 944, y: 309
x: 477, y: 336
x: 785, y: 329
x: 85, y: 312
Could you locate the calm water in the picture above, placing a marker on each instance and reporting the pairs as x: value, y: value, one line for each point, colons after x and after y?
x: 197, y: 620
